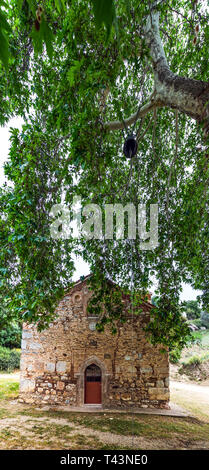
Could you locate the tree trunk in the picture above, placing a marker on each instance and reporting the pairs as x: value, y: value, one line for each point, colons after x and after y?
x: 187, y: 95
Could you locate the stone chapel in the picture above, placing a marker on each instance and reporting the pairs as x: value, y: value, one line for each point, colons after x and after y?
x: 71, y: 363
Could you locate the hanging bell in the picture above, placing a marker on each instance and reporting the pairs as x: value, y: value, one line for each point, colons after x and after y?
x: 130, y: 146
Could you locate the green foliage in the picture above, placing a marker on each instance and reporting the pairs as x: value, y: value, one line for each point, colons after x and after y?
x: 106, y: 303
x: 43, y: 35
x: 27, y: 244
x: 60, y: 5
x: 104, y: 11
x: 197, y: 337
x: 193, y: 361
x: 74, y: 71
x: 10, y: 336
x: 5, y: 29
x: 197, y: 322
x: 9, y: 359
x: 205, y: 319
x: 167, y: 317
x: 175, y: 355
x: 37, y: 17
x: 192, y: 309
x: 202, y: 337
x: 154, y: 300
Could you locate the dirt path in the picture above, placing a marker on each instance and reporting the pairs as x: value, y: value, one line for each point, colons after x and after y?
x: 192, y: 397
x: 201, y: 390
x: 11, y: 377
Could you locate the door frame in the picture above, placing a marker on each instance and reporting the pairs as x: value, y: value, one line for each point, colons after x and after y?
x: 81, y: 380
x: 85, y: 384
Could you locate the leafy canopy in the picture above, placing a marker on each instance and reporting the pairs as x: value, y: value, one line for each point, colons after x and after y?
x: 68, y: 68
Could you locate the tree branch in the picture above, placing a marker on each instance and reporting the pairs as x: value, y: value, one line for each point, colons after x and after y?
x: 114, y: 125
x: 184, y: 94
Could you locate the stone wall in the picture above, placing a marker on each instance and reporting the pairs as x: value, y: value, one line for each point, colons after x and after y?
x: 53, y: 362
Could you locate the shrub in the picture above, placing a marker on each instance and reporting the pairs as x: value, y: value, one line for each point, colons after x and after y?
x: 192, y: 309
x: 193, y: 361
x: 10, y: 336
x: 196, y: 360
x: 175, y: 355
x: 9, y: 359
x: 197, y: 322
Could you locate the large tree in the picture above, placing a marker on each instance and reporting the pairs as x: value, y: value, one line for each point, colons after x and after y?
x: 83, y: 75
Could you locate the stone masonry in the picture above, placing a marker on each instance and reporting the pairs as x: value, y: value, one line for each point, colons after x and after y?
x: 53, y: 362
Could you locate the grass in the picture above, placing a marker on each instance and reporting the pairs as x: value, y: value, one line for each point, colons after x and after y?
x: 8, y: 389
x: 143, y: 425
x: 162, y: 427
x: 52, y: 430
x: 196, y: 360
x: 203, y: 337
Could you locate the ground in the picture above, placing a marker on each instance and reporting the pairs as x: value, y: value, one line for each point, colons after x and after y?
x: 26, y: 427
x: 192, y: 397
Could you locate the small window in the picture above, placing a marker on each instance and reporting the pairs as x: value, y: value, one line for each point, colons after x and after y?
x: 77, y: 298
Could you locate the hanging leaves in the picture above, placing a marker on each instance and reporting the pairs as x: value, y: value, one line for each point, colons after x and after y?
x: 42, y: 34
x: 104, y: 12
x: 5, y: 29
x: 60, y: 5
x: 41, y: 31
x: 74, y: 70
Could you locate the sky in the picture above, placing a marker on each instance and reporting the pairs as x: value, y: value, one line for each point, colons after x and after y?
x: 82, y: 268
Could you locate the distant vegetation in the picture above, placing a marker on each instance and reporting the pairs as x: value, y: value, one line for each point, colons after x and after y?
x: 205, y: 319
x: 10, y: 343
x: 191, y: 309
x: 9, y: 359
x: 10, y: 335
x: 199, y: 339
x: 194, y: 313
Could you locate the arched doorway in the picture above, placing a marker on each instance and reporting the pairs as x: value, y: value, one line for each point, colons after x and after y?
x: 93, y: 385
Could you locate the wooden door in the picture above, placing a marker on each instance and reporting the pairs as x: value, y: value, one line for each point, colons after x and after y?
x: 93, y: 384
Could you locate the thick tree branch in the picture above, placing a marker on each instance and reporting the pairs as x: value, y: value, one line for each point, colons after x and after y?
x: 187, y: 95
x: 184, y: 94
